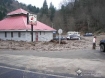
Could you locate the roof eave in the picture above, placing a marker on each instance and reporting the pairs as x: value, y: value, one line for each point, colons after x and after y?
x: 26, y: 30
x: 12, y: 30
x: 16, y: 14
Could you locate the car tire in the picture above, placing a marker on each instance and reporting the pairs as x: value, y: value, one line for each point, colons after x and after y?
x: 78, y: 38
x: 102, y: 48
x: 70, y: 38
x: 67, y: 39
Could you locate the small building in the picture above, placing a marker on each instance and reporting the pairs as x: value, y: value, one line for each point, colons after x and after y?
x: 15, y: 27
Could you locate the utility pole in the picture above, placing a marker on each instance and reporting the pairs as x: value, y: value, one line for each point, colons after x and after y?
x: 32, y: 32
x: 52, y: 25
x: 31, y: 20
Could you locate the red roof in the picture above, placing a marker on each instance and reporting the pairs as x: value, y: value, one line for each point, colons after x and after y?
x: 20, y: 23
x: 18, y: 11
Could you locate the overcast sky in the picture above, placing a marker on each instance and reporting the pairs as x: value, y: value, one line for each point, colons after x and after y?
x: 39, y: 3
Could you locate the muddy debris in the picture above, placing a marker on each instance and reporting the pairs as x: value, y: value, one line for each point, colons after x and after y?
x: 53, y: 45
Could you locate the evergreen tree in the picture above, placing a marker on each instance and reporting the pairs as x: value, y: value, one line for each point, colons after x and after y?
x: 52, y: 11
x: 2, y: 12
x: 3, y: 7
x: 33, y: 9
x: 5, y: 2
x: 45, y: 8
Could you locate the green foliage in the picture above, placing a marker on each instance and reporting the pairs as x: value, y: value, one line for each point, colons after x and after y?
x: 89, y: 14
x: 51, y: 12
x: 47, y: 14
x: 33, y: 9
x: 3, y: 7
x: 45, y: 8
x: 5, y: 2
x: 2, y: 12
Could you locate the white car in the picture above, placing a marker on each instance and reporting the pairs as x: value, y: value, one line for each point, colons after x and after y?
x: 73, y: 33
x: 73, y: 37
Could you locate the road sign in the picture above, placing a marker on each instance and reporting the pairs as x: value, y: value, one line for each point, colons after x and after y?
x: 60, y: 31
x: 31, y: 19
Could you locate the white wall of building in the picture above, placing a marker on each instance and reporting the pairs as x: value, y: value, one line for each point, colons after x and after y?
x: 45, y: 36
x: 2, y: 36
x: 26, y: 36
x: 15, y: 36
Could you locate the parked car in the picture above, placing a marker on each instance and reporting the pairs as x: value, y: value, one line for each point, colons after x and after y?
x: 57, y: 38
x: 73, y: 37
x: 73, y: 33
x: 88, y: 34
x: 102, y: 45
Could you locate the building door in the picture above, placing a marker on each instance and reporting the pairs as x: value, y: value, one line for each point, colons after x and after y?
x: 36, y: 36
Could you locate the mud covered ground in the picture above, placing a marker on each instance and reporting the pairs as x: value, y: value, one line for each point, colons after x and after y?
x: 84, y: 43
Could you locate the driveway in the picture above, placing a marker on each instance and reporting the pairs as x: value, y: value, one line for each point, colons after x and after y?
x: 90, y: 62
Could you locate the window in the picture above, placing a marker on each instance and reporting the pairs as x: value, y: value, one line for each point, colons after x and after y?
x: 5, y: 34
x: 40, y: 32
x: 44, y: 32
x: 11, y: 34
x: 19, y: 34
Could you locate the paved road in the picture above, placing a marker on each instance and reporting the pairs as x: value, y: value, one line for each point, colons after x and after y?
x: 10, y: 72
x: 72, y: 54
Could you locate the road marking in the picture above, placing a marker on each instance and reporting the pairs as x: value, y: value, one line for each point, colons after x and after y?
x: 34, y: 72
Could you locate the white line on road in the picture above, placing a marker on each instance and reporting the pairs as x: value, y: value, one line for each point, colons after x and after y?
x: 34, y: 72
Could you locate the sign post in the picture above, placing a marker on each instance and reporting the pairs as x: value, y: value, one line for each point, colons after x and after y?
x: 60, y: 32
x: 31, y: 20
x: 32, y: 32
